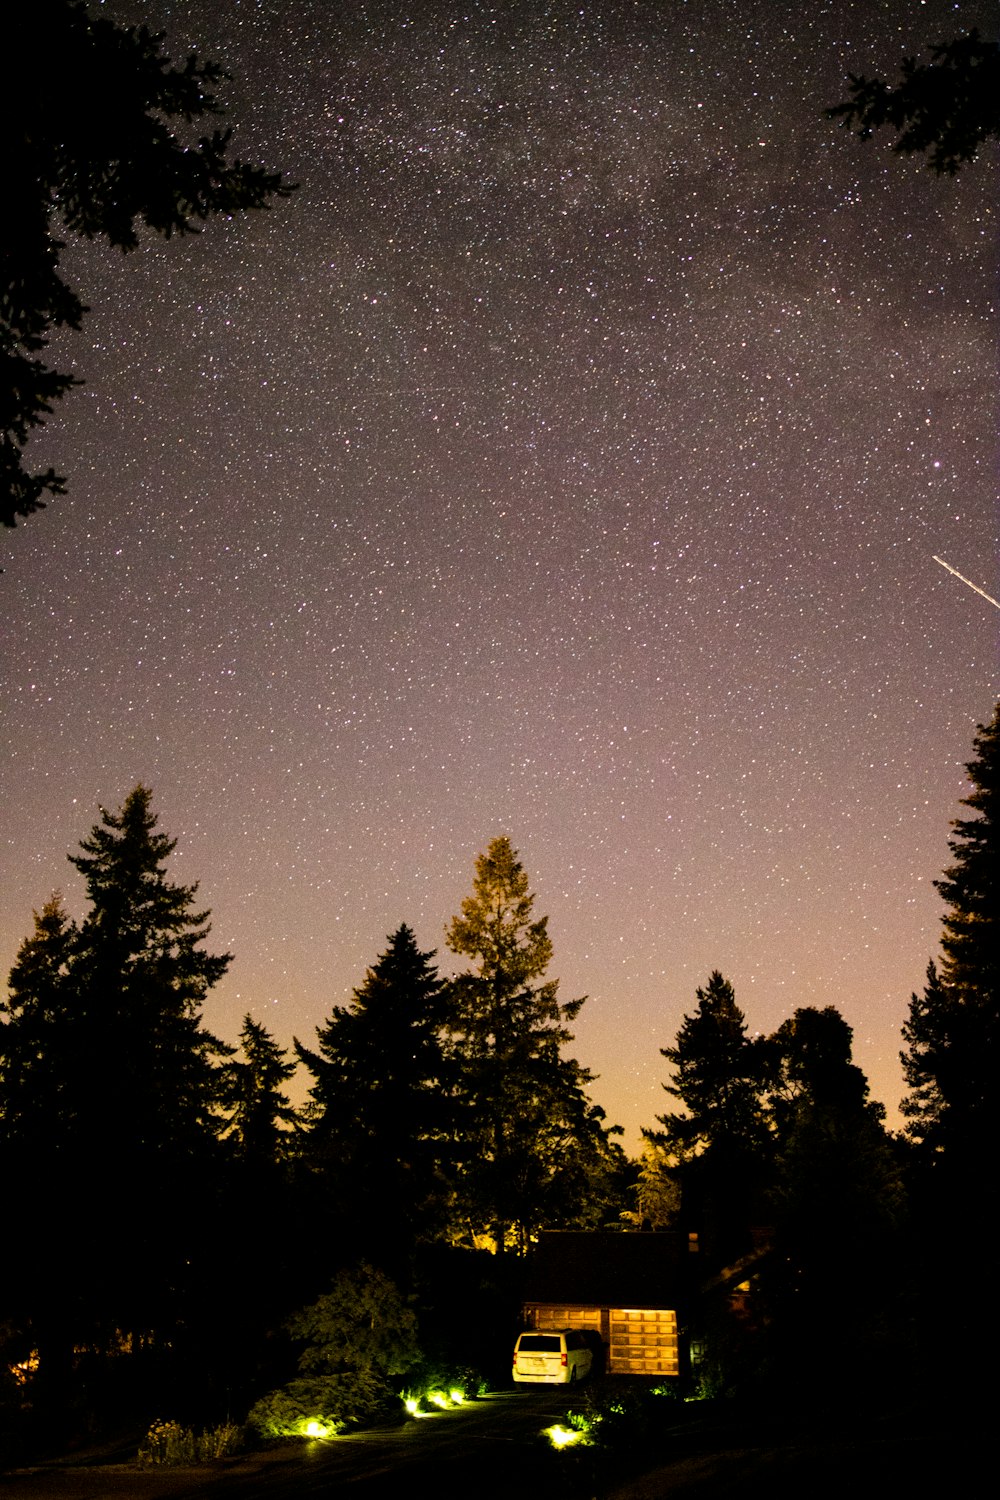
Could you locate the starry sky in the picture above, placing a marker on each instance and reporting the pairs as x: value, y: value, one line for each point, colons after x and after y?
x: 567, y: 458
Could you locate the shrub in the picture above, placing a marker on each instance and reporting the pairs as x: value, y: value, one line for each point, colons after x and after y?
x: 456, y: 1382
x: 624, y: 1416
x: 323, y: 1405
x: 361, y: 1323
x: 356, y: 1336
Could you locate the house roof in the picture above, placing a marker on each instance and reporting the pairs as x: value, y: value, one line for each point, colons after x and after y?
x: 608, y: 1270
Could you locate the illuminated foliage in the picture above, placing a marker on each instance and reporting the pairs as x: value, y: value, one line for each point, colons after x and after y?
x: 658, y: 1190
x: 168, y: 1444
x: 534, y: 1150
x: 323, y: 1405
x: 361, y: 1323
x: 354, y: 1338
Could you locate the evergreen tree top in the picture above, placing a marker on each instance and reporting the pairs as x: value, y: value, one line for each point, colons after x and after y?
x: 135, y: 908
x: 719, y: 1076
x: 952, y: 1035
x: 971, y: 886
x: 496, y: 927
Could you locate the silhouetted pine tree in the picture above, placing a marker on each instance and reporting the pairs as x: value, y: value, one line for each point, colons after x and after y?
x: 261, y: 1118
x: 721, y: 1145
x: 108, y: 1113
x: 379, y: 1136
x: 837, y: 1205
x: 952, y: 1035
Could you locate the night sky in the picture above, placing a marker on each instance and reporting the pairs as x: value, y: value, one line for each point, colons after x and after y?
x: 567, y: 458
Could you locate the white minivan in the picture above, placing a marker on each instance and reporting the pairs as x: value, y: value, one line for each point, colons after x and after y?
x: 559, y: 1356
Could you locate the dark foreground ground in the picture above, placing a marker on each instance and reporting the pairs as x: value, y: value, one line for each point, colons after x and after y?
x: 493, y: 1449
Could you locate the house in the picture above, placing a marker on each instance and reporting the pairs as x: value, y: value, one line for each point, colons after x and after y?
x: 632, y: 1289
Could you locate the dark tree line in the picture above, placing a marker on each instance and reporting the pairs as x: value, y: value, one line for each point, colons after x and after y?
x: 779, y: 1161
x: 166, y: 1191
x: 168, y: 1207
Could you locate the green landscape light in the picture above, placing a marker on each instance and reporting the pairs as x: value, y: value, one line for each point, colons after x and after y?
x: 316, y: 1429
x: 563, y: 1437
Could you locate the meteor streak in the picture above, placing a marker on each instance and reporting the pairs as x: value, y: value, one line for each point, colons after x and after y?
x: 974, y: 586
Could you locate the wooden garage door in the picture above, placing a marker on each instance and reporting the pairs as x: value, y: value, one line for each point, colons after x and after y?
x: 643, y: 1342
x: 568, y: 1317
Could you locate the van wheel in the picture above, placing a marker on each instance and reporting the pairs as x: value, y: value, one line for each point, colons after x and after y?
x: 572, y: 1376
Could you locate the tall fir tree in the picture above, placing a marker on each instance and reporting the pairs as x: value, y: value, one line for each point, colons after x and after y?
x: 262, y: 1120
x: 535, y: 1150
x: 837, y: 1203
x: 721, y: 1145
x: 379, y: 1135
x: 950, y: 1063
x: 35, y: 1043
x: 108, y: 1122
x: 266, y: 1216
x: 142, y: 976
x: 719, y: 1077
x: 952, y: 1035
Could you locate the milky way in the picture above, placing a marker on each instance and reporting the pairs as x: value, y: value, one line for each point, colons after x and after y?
x: 567, y: 458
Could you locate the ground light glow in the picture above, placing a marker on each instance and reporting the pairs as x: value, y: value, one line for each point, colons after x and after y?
x: 316, y: 1429
x: 443, y: 1400
x: 564, y: 1437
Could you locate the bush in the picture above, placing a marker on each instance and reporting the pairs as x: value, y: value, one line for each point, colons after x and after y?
x: 356, y: 1336
x: 457, y: 1382
x: 361, y: 1323
x: 624, y: 1417
x: 323, y: 1405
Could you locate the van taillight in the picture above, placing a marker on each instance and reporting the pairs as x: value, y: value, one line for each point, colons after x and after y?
x: 562, y: 1359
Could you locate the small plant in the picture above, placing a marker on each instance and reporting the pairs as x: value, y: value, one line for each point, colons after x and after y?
x: 169, y: 1445
x: 220, y: 1442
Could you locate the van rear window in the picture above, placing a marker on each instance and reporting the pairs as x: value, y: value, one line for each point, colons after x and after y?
x: 539, y: 1343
